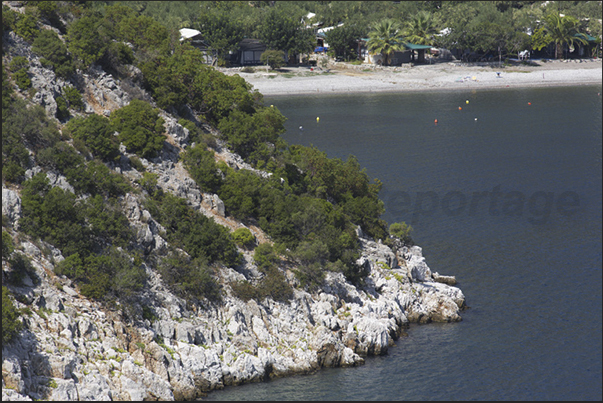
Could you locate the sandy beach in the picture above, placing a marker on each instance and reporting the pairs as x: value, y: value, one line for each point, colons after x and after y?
x: 347, y: 78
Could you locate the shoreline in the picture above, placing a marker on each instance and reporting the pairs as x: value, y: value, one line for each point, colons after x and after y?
x: 349, y: 79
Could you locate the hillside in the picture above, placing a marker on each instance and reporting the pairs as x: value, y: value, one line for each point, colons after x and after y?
x: 161, y: 241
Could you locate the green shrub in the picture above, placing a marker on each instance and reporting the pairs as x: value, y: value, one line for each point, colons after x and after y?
x: 7, y: 245
x: 29, y: 125
x: 190, y: 278
x: 273, y: 58
x: 190, y: 230
x: 73, y: 97
x: 87, y: 41
x: 116, y: 56
x: 10, y: 315
x: 182, y: 79
x: 26, y: 26
x: 7, y: 93
x: 137, y: 164
x: 18, y: 62
x: 22, y: 79
x: 54, y: 53
x: 265, y: 256
x: 243, y: 237
x: 21, y: 267
x: 48, y: 10
x: 140, y: 128
x: 107, y: 221
x: 254, y: 137
x: 148, y: 182
x: 273, y: 285
x: 51, y: 214
x: 402, y: 231
x: 201, y: 164
x: 97, y: 133
x: 62, y: 112
x: 111, y: 274
x: 9, y: 18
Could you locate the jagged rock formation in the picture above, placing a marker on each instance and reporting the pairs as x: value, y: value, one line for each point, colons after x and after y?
x: 73, y: 348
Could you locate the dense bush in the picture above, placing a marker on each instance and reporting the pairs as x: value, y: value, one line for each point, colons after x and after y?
x: 191, y: 231
x: 108, y: 224
x: 52, y: 49
x: 10, y: 315
x: 197, y: 135
x: 49, y: 11
x: 273, y: 58
x: 23, y: 126
x: 273, y: 284
x: 86, y: 39
x: 18, y: 62
x: 182, y: 79
x: 255, y: 137
x: 7, y: 245
x: 113, y: 274
x: 201, y: 164
x: 73, y: 98
x: 96, y: 132
x: 51, y: 215
x: 21, y: 266
x: 9, y: 18
x: 62, y: 112
x: 190, y: 278
x: 26, y: 25
x: 402, y: 231
x: 22, y: 79
x: 7, y: 93
x: 243, y: 237
x: 140, y: 128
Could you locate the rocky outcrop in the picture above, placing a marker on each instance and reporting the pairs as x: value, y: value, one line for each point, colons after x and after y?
x: 74, y: 349
x: 11, y: 205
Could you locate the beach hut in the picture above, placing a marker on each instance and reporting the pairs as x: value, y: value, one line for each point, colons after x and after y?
x: 195, y: 38
x: 250, y: 51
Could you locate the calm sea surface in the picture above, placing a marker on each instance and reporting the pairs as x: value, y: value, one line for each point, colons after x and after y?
x: 511, y: 205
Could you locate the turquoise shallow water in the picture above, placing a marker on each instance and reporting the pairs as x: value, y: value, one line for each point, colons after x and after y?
x: 510, y: 204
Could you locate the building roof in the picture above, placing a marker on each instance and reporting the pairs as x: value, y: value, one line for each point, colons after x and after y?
x: 187, y: 33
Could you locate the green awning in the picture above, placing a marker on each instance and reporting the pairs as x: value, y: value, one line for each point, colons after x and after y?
x: 412, y: 46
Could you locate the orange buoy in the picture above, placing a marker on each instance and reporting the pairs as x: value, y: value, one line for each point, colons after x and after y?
x: 529, y: 103
x: 435, y: 121
x: 460, y: 108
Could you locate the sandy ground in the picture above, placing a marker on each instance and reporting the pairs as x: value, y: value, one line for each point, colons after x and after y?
x: 344, y: 78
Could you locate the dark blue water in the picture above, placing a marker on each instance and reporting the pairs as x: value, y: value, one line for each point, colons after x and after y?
x: 511, y: 205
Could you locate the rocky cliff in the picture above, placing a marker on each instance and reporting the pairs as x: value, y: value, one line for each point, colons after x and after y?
x: 73, y: 348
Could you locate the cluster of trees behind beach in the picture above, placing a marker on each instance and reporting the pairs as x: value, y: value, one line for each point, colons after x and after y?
x: 500, y: 28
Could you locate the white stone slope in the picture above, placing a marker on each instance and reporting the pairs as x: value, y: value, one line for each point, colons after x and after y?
x: 73, y: 348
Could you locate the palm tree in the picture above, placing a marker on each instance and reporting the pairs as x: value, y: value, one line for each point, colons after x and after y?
x: 563, y: 30
x: 386, y: 38
x: 420, y: 29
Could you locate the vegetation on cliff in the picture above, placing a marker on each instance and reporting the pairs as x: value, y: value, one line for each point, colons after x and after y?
x: 308, y: 204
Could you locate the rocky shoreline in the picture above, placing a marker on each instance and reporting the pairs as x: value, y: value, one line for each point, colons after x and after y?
x: 73, y: 348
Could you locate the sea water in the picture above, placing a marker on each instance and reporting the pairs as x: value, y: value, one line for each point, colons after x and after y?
x: 504, y: 193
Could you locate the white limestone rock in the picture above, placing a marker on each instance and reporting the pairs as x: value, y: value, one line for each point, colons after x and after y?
x: 11, y: 205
